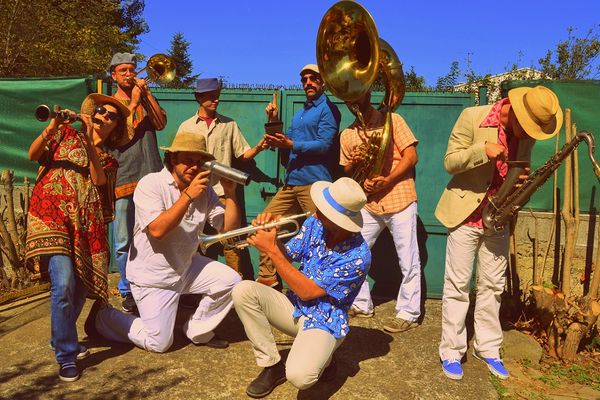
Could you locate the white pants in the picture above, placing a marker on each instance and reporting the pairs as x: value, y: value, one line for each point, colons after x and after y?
x: 403, y: 227
x: 259, y: 307
x: 466, y: 243
x: 153, y: 330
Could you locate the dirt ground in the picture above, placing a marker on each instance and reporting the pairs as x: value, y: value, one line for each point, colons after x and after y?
x: 372, y: 364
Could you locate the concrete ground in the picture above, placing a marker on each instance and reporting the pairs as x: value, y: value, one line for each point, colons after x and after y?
x: 372, y: 364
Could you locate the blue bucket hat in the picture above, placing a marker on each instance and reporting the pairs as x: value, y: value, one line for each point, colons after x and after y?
x: 123, y: 58
x: 207, y: 85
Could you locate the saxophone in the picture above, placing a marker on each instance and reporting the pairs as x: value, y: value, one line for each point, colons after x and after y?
x: 508, y: 200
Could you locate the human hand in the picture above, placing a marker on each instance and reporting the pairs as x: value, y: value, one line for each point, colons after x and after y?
x: 271, y: 110
x: 279, y: 140
x: 264, y: 239
x: 375, y: 184
x: 495, y: 151
x: 87, y: 125
x: 198, y: 185
x: 356, y: 156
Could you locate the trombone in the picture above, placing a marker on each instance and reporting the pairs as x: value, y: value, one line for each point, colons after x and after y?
x: 159, y: 68
x: 287, y: 226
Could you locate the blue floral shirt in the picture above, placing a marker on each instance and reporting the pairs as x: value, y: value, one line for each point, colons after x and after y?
x: 339, y: 271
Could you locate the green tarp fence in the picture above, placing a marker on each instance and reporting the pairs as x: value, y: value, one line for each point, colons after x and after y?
x: 18, y: 126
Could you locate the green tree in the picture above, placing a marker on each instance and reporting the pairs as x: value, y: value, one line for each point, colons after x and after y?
x: 179, y: 52
x: 573, y: 58
x: 446, y: 83
x: 414, y: 82
x: 66, y: 37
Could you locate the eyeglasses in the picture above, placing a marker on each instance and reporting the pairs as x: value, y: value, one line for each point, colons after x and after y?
x: 101, y: 110
x: 312, y: 78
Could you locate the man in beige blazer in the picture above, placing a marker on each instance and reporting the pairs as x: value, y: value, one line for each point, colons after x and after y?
x: 481, y: 142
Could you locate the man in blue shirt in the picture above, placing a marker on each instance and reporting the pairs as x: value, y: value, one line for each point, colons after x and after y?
x: 312, y: 142
x: 334, y: 261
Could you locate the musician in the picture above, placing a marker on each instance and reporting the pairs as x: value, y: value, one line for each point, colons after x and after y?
x: 137, y: 159
x: 334, y: 260
x: 481, y: 142
x: 224, y: 141
x: 311, y: 143
x: 69, y: 209
x: 171, y: 208
x: 391, y: 203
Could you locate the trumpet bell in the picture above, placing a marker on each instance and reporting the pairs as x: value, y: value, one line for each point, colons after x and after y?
x: 161, y: 68
x: 348, y: 50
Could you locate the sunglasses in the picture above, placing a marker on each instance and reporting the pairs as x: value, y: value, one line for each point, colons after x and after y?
x: 101, y: 110
x: 312, y: 78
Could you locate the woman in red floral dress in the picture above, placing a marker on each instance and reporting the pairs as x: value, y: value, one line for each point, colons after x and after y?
x: 72, y: 202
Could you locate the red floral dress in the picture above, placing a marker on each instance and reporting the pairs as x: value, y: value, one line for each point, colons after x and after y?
x: 66, y: 211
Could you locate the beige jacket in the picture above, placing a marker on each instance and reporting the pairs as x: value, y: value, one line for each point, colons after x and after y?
x: 469, y: 166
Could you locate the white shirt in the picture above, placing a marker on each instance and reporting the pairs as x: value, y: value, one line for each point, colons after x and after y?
x: 160, y: 263
x: 224, y: 141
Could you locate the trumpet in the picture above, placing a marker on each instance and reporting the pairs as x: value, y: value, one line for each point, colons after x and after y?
x: 287, y: 226
x: 44, y: 113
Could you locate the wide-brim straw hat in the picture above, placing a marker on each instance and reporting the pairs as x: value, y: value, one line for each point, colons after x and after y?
x: 538, y: 111
x: 341, y: 202
x: 96, y: 99
x: 191, y: 142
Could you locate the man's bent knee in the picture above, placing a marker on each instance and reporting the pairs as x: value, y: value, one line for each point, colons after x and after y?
x: 301, y: 378
x: 242, y: 291
x: 158, y: 345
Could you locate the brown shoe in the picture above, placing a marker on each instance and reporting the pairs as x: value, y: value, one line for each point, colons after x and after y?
x: 395, y: 325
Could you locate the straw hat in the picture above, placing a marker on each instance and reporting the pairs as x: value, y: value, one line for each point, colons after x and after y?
x: 187, y: 141
x: 537, y: 110
x: 341, y: 202
x: 96, y: 99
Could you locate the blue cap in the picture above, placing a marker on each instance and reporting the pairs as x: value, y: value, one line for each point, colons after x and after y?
x: 207, y: 85
x: 123, y: 58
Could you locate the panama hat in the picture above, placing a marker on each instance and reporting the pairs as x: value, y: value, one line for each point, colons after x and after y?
x: 191, y: 142
x: 538, y: 111
x: 89, y: 104
x: 341, y: 202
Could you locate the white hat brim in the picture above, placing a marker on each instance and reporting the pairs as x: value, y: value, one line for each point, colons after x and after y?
x: 350, y: 223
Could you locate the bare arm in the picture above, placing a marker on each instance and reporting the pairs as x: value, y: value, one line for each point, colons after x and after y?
x: 266, y: 241
x: 232, y: 217
x: 171, y: 218
x: 407, y: 162
x: 96, y: 171
x: 141, y: 93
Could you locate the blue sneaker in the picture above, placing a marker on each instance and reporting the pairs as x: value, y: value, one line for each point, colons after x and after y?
x: 495, y: 365
x: 452, y: 368
x: 68, y: 372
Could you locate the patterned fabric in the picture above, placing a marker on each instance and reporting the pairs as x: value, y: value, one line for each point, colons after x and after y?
x: 508, y: 141
x: 339, y: 271
x: 66, y: 212
x: 140, y: 156
x: 224, y: 140
x: 395, y: 198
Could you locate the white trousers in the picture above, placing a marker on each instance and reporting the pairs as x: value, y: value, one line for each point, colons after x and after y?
x: 259, y: 307
x: 153, y: 330
x: 464, y: 245
x: 403, y: 228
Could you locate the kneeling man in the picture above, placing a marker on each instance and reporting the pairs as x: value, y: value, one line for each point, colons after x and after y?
x: 171, y: 208
x: 334, y: 260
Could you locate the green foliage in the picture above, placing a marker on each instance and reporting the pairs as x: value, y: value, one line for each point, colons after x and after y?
x: 446, y: 83
x: 573, y: 58
x: 414, y: 82
x: 179, y: 52
x: 66, y: 37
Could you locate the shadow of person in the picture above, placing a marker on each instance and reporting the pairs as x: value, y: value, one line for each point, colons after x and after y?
x: 360, y: 344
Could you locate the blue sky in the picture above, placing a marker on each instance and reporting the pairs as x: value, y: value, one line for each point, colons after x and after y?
x: 263, y: 42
